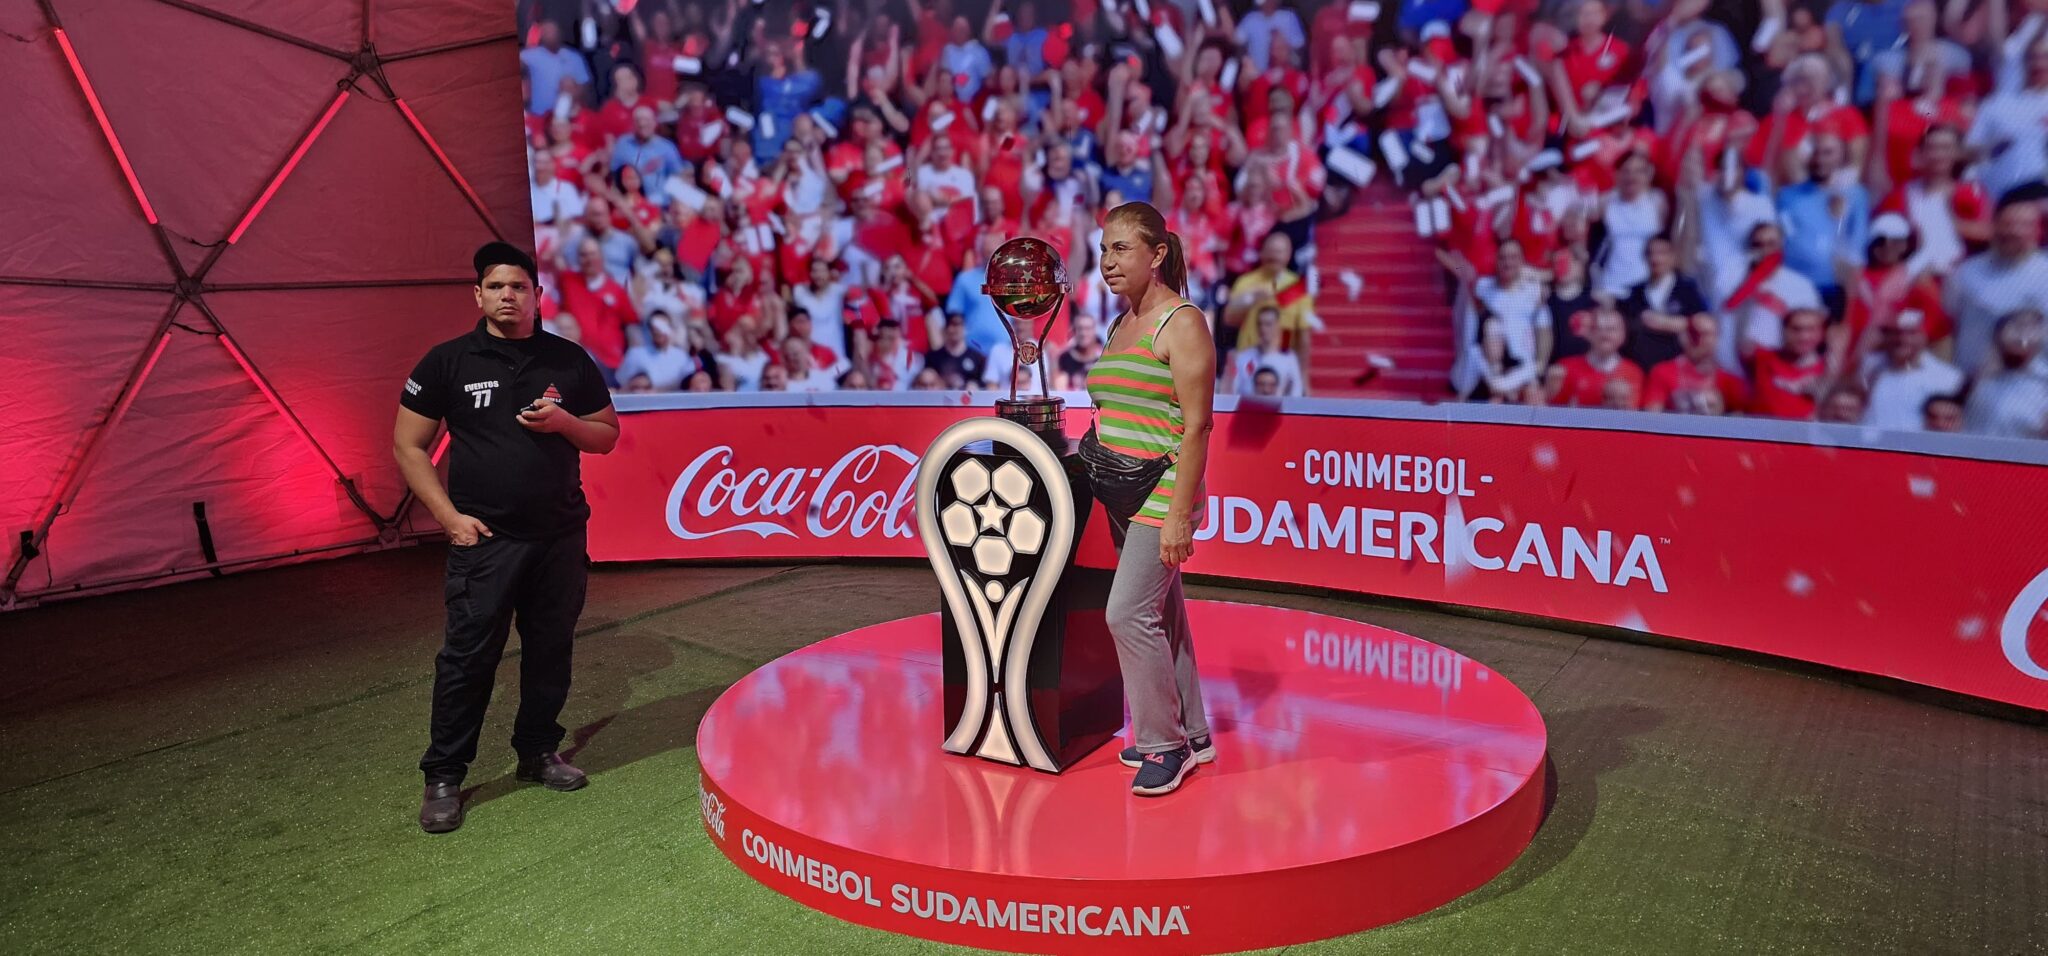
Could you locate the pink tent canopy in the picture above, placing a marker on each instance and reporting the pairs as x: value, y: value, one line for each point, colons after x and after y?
x: 231, y: 227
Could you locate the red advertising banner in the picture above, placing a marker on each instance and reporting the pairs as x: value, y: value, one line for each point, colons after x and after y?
x: 1923, y: 568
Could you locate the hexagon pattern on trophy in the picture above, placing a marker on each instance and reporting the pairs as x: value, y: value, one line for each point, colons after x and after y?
x: 989, y: 515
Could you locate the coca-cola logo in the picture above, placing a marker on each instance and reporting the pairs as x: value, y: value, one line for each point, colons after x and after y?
x: 2019, y: 619
x: 857, y: 496
x: 713, y: 810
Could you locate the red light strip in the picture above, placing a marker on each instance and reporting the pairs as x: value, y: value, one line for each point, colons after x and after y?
x: 277, y: 403
x: 107, y: 128
x: 440, y: 449
x: 289, y: 165
x: 68, y: 482
x: 474, y: 201
x: 128, y: 397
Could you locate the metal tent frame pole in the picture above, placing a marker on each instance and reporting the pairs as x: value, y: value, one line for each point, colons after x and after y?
x: 184, y: 287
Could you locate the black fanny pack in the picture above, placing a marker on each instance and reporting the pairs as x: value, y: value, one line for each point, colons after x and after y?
x: 1121, y: 482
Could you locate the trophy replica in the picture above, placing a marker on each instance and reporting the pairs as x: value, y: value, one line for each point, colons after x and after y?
x: 1030, y: 669
x: 1028, y: 281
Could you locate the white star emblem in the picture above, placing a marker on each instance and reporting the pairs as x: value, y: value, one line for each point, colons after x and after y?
x: 992, y: 514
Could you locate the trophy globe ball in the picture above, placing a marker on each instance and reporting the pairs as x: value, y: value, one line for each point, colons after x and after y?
x: 1026, y: 278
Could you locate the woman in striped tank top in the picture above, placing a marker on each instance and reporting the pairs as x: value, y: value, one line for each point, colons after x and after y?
x: 1151, y: 390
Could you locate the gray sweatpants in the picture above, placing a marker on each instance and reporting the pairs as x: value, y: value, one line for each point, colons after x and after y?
x: 1148, y: 616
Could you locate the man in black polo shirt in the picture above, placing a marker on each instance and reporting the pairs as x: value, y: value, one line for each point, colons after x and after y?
x: 961, y: 365
x: 522, y: 406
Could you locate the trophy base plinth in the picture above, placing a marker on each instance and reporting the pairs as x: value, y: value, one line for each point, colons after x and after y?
x: 1044, y: 416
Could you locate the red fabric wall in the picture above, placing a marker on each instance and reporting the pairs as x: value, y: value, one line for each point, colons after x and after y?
x: 354, y: 265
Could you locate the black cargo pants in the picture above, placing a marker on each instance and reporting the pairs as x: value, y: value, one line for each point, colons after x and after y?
x: 490, y: 584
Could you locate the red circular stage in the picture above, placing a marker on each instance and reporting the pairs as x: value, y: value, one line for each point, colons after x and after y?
x: 1363, y: 776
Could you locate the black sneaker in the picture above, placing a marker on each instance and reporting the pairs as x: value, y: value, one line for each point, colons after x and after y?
x: 1203, y: 746
x: 1161, y: 773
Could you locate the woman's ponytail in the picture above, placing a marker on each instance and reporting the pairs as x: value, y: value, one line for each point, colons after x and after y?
x: 1174, y: 271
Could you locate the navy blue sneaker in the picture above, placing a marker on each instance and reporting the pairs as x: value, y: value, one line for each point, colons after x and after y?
x: 1161, y: 773
x: 1203, y: 746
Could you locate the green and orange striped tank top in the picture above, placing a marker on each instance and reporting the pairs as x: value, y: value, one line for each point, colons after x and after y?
x: 1137, y: 412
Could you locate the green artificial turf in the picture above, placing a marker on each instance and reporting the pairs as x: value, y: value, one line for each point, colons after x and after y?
x: 228, y: 767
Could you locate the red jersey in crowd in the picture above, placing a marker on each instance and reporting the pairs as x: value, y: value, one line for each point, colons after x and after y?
x: 1966, y: 201
x: 930, y: 41
x: 1906, y: 121
x: 1779, y: 381
x: 1522, y: 9
x: 640, y: 210
x: 1337, y: 108
x: 1538, y: 214
x: 1220, y: 99
x: 793, y: 261
x: 1007, y: 156
x: 905, y: 303
x: 570, y: 159
x: 616, y: 118
x: 602, y: 309
x: 888, y: 188
x: 851, y: 158
x: 1091, y: 107
x: 864, y: 308
x: 1596, y: 159
x: 936, y: 264
x: 730, y: 307
x: 1402, y: 110
x: 1181, y: 166
x: 1888, y: 295
x: 698, y: 130
x: 1301, y: 164
x: 1586, y: 385
x: 876, y: 51
x: 757, y: 199
x: 846, y: 164
x: 1332, y: 25
x: 1471, y: 234
x: 661, y: 83
x: 952, y: 119
x: 823, y: 359
x: 1201, y: 239
x: 1056, y: 205
x: 1587, y: 71
x: 1681, y: 375
x: 697, y: 241
x: 1254, y: 221
x: 1257, y: 106
x: 756, y: 244
x: 1844, y: 122
x: 1004, y: 230
x: 1712, y: 132
x: 882, y: 234
x: 589, y: 131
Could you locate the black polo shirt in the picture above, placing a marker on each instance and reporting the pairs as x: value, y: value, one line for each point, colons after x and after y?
x: 971, y: 365
x: 520, y: 483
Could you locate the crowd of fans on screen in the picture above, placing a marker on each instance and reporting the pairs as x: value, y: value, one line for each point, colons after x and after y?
x: 1811, y: 211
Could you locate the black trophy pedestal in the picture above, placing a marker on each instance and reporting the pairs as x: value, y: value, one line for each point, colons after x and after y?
x: 1071, y: 676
